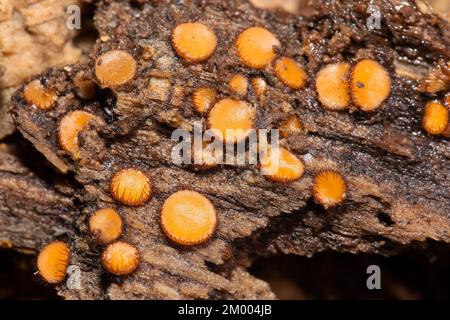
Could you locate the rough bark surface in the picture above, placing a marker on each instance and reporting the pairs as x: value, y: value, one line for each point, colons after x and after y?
x: 398, y: 177
x: 33, y: 37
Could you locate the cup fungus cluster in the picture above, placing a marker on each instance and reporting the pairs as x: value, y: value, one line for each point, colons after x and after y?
x: 367, y: 85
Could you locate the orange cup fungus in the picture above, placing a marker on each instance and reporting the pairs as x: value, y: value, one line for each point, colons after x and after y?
x: 188, y: 218
x: 131, y: 187
x: 436, y: 118
x: 120, y: 258
x: 290, y: 73
x: 370, y: 84
x: 231, y: 119
x: 53, y: 261
x: 281, y: 166
x: 291, y: 126
x: 115, y: 68
x: 239, y: 84
x: 86, y: 87
x: 70, y: 127
x: 205, y: 156
x: 332, y: 86
x: 106, y: 225
x: 203, y: 99
x: 36, y: 94
x: 329, y: 188
x: 256, y: 47
x: 194, y: 41
x: 447, y: 100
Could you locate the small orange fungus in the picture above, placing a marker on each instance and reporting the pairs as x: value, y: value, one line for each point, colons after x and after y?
x: 115, y: 68
x: 291, y: 126
x: 259, y: 85
x: 281, y: 166
x: 203, y: 99
x: 256, y: 47
x: 106, y: 225
x: 194, y: 41
x: 239, y: 84
x: 370, y: 84
x: 131, y: 187
x: 188, y: 218
x: 290, y: 73
x: 206, y: 155
x: 332, y: 86
x: 231, y: 119
x: 53, y: 261
x: 36, y: 94
x: 120, y: 258
x: 69, y: 128
x: 329, y: 188
x: 436, y: 118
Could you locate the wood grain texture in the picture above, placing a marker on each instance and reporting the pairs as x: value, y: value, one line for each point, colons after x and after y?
x: 398, y: 177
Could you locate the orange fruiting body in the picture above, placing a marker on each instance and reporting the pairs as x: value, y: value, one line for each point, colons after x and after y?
x: 259, y: 85
x: 115, y: 68
x: 256, y: 47
x: 69, y: 128
x: 36, y: 94
x: 105, y: 225
x: 188, y: 218
x: 370, y: 85
x: 231, y: 120
x: 332, y: 86
x: 194, y: 41
x: 239, y: 84
x: 280, y: 165
x: 53, y: 261
x: 291, y: 126
x: 86, y: 87
x: 120, y: 258
x: 290, y: 73
x: 329, y: 188
x: 436, y: 118
x: 203, y: 98
x: 131, y: 187
x: 447, y: 100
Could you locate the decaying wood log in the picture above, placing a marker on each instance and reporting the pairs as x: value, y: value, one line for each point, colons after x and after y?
x: 397, y: 175
x: 33, y: 37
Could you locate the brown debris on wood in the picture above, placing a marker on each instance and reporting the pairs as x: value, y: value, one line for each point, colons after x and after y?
x: 397, y: 175
x: 33, y: 37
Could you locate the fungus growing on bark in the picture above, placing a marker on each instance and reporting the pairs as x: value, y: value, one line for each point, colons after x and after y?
x: 256, y: 47
x: 53, y: 261
x: 332, y: 86
x: 35, y: 94
x: 194, y: 41
x: 188, y: 218
x: 370, y: 85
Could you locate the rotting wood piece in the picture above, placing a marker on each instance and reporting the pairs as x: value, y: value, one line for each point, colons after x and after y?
x: 397, y: 176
